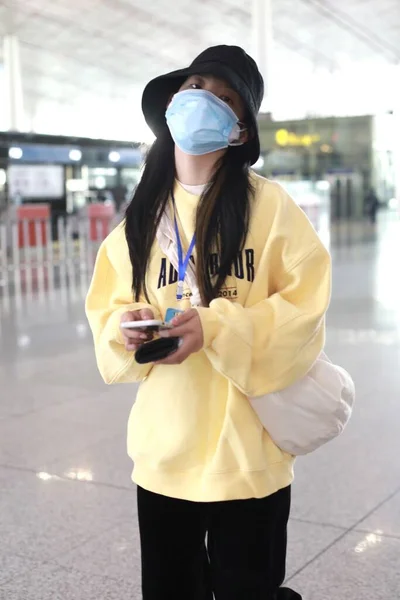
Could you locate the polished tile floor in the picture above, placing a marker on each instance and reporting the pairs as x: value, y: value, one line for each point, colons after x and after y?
x: 67, y: 506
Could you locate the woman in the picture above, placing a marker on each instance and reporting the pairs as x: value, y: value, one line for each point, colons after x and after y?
x: 213, y: 489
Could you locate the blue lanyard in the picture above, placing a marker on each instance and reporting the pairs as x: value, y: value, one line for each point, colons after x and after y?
x: 183, y: 262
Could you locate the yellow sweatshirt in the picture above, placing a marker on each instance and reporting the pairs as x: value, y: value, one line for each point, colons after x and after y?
x: 192, y: 433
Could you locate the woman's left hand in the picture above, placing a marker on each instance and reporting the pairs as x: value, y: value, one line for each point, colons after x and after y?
x: 187, y: 326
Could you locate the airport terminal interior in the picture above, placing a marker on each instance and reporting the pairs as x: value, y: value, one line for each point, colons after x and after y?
x: 72, y: 144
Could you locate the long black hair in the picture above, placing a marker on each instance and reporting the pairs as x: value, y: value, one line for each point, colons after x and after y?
x: 222, y: 219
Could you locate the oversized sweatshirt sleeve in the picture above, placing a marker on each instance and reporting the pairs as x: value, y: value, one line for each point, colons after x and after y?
x: 109, y: 296
x: 271, y: 344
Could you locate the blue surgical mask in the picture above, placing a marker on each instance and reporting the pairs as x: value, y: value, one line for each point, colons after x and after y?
x: 201, y: 123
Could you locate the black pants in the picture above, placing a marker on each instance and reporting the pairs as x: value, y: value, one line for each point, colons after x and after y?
x: 243, y: 557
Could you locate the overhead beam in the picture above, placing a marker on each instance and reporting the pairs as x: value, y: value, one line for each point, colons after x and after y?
x: 358, y: 31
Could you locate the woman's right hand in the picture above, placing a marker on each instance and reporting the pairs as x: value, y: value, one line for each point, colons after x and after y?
x: 133, y: 338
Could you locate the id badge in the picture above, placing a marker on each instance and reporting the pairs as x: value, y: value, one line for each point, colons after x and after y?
x: 171, y: 314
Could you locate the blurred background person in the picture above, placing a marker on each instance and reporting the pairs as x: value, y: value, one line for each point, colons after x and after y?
x: 371, y: 204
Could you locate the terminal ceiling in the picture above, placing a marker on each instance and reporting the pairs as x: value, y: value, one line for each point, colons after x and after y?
x: 86, y: 61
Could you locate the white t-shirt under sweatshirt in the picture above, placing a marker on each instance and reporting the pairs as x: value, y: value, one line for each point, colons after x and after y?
x: 195, y: 190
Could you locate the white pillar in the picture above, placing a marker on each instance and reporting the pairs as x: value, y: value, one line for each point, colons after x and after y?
x: 396, y: 135
x: 396, y: 154
x: 13, y: 84
x: 263, y: 40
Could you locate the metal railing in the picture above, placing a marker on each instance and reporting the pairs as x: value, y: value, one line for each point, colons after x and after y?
x: 41, y: 247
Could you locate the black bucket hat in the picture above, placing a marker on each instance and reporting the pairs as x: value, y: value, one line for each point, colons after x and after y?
x: 230, y: 63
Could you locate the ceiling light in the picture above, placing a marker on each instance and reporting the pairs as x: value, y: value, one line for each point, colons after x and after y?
x: 15, y: 152
x: 75, y: 155
x: 100, y: 182
x: 114, y: 156
x: 323, y: 186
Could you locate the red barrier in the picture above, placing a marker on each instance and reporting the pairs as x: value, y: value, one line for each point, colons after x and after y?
x: 100, y: 218
x: 28, y: 215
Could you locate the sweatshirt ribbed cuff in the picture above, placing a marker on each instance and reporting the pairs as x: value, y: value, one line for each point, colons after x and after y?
x: 210, y: 324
